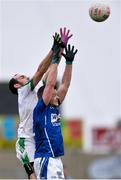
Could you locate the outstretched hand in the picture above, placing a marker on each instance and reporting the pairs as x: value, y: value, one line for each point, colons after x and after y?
x: 56, y: 41
x: 65, y: 36
x: 70, y: 54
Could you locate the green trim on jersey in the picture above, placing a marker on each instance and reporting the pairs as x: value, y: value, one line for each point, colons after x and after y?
x: 43, y: 82
x: 32, y: 84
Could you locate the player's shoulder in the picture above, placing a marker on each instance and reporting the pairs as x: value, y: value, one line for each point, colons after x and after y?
x: 26, y: 89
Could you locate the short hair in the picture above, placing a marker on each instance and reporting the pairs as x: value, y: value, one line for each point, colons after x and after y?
x: 12, y: 82
x: 40, y: 91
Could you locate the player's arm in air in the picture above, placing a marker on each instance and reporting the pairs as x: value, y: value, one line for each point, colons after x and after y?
x: 56, y: 44
x: 66, y: 79
x: 44, y: 65
x: 62, y: 41
x: 42, y: 68
x: 51, y: 79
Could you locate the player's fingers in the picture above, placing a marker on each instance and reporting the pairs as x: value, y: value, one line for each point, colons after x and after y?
x: 64, y: 30
x: 70, y: 36
x: 67, y: 32
x: 61, y: 31
x: 75, y: 51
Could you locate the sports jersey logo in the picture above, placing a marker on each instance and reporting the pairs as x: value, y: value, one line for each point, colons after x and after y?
x: 55, y: 119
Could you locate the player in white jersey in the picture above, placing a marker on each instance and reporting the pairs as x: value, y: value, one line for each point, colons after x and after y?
x: 27, y: 99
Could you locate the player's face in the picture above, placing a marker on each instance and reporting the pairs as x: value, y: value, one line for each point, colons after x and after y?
x: 22, y: 79
x: 54, y: 99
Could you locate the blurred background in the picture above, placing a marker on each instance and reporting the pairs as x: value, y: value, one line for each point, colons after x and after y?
x: 91, y: 122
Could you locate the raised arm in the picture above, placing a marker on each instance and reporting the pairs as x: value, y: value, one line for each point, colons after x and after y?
x: 66, y: 79
x: 61, y: 41
x: 44, y: 65
x: 42, y: 68
x: 51, y: 79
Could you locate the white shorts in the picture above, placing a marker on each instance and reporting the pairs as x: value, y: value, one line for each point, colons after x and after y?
x: 25, y: 149
x: 48, y: 168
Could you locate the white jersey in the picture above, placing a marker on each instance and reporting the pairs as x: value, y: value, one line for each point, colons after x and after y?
x: 27, y: 99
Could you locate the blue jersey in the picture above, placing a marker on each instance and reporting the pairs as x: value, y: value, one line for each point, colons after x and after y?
x: 47, y: 129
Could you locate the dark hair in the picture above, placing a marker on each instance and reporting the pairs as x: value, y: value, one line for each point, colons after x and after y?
x: 40, y: 91
x: 12, y: 82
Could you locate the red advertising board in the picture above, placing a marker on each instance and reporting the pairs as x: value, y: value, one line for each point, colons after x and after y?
x: 108, y: 139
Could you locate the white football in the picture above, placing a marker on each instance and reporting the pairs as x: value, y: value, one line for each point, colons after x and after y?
x: 99, y: 12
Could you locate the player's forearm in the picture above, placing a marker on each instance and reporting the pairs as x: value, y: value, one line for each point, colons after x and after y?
x: 52, y: 75
x: 47, y: 72
x: 67, y: 76
x: 46, y: 62
x: 42, y: 68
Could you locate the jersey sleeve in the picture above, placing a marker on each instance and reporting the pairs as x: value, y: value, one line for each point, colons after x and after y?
x: 41, y: 105
x: 32, y: 84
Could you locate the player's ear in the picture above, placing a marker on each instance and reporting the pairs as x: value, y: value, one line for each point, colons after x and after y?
x: 17, y: 85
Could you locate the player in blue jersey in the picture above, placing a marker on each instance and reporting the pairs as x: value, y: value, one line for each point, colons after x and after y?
x: 47, y: 119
